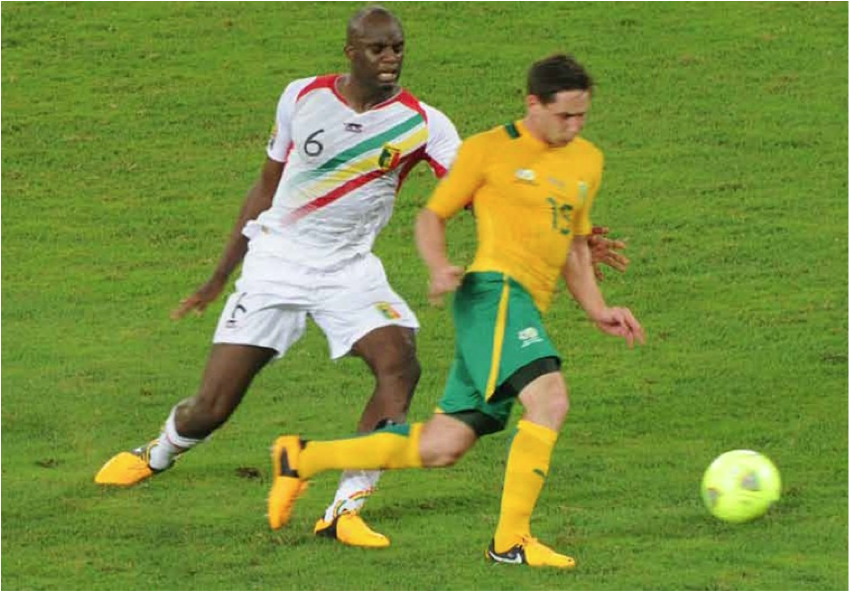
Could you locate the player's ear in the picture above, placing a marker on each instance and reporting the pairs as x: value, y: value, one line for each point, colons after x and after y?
x: 348, y: 50
x: 531, y: 101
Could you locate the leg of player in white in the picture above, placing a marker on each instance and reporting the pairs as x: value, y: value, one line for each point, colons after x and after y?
x: 360, y: 315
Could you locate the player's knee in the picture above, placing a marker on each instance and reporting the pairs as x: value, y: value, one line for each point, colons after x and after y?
x: 546, y: 401
x: 559, y: 407
x: 556, y: 406
x: 550, y: 409
x: 442, y: 454
x: 441, y: 458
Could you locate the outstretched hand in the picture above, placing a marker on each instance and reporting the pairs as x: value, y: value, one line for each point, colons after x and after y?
x: 202, y: 298
x: 605, y: 251
x: 444, y: 280
x: 620, y: 322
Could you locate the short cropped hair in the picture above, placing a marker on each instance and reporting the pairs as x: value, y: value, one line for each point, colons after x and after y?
x: 355, y: 23
x: 557, y: 73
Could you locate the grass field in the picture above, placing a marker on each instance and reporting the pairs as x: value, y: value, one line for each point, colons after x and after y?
x: 131, y: 132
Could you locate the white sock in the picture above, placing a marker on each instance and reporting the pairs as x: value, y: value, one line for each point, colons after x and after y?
x: 170, y: 445
x: 354, y: 488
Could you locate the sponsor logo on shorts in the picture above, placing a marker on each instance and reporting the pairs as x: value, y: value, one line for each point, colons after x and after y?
x: 386, y: 309
x: 529, y: 336
x: 232, y: 321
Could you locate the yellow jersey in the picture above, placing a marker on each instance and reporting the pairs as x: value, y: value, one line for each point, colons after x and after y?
x: 529, y: 200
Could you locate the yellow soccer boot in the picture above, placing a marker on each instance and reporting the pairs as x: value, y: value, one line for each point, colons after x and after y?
x: 350, y: 529
x: 530, y: 552
x: 286, y: 484
x: 127, y: 468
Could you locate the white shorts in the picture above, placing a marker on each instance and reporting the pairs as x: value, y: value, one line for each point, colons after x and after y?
x: 273, y: 299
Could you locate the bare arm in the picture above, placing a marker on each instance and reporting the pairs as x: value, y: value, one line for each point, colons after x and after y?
x: 581, y: 281
x: 431, y: 242
x: 258, y: 200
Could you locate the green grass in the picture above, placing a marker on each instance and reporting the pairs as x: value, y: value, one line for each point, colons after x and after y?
x: 130, y: 135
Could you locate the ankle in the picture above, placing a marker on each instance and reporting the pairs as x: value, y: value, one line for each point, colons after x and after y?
x: 170, y: 445
x: 504, y: 541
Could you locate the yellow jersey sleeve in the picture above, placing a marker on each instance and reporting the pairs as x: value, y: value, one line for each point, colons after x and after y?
x: 465, y: 176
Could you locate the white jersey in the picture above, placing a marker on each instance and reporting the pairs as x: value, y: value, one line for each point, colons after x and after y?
x: 343, y: 170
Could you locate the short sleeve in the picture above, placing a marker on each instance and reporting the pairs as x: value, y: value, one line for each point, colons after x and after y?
x: 281, y: 136
x: 443, y: 141
x: 456, y: 190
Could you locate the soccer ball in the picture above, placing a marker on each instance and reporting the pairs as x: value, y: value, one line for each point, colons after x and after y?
x: 740, y: 486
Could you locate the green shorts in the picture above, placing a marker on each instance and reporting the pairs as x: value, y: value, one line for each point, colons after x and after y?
x: 500, y: 345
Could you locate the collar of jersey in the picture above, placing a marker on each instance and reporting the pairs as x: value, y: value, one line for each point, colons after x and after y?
x: 380, y: 105
x: 531, y: 141
x: 527, y: 137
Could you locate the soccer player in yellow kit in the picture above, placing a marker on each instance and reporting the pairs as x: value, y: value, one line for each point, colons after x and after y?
x: 531, y: 184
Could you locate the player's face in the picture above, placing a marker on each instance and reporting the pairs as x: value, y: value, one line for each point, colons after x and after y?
x: 563, y: 119
x: 376, y: 55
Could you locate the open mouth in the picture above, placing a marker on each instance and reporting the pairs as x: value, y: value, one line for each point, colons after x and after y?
x: 387, y: 76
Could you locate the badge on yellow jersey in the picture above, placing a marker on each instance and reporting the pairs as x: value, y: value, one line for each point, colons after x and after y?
x: 582, y: 191
x: 526, y: 175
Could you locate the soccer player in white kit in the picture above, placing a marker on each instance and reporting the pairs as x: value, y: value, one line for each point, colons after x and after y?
x: 341, y: 148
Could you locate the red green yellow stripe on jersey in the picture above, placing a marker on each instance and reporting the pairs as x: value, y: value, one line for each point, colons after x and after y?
x: 367, y: 145
x: 338, y: 193
x: 372, y: 158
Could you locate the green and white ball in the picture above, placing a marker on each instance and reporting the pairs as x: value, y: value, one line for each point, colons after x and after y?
x: 740, y: 486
